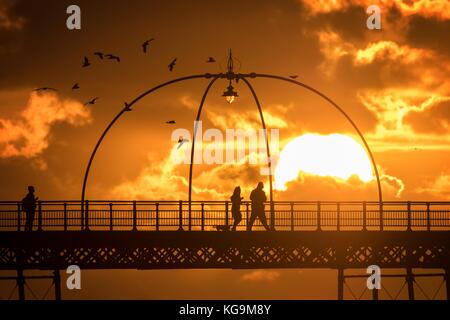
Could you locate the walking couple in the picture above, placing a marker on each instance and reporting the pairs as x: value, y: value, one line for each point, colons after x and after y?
x: 258, y: 198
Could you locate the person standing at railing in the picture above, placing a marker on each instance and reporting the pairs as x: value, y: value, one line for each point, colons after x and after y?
x: 236, y: 201
x: 258, y: 197
x: 29, y: 207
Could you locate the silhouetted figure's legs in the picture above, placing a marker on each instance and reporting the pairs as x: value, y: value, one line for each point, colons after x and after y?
x: 237, y: 216
x: 262, y: 217
x: 29, y: 220
x: 251, y: 221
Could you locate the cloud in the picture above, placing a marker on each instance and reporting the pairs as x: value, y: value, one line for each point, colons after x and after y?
x: 274, y: 116
x: 408, y: 117
x: 434, y: 119
x: 439, y: 9
x: 439, y: 188
x: 260, y: 275
x: 390, y: 50
x: 28, y: 135
x: 333, y: 48
x: 308, y: 187
x: 7, y: 20
x: 163, y: 180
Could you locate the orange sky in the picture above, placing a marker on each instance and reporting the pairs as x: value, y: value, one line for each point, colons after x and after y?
x: 394, y: 83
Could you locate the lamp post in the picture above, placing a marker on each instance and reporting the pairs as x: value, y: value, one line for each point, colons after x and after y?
x: 229, y: 94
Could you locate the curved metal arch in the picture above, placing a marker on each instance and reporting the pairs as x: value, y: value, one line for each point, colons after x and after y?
x: 372, y: 158
x: 117, y: 117
x: 266, y: 139
x: 194, y: 136
x: 269, y: 159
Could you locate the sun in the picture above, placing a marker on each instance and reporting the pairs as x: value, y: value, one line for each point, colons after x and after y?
x: 333, y: 155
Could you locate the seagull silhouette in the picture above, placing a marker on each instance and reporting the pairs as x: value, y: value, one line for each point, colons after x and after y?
x: 76, y: 86
x: 113, y: 57
x: 181, y: 141
x: 172, y: 64
x: 293, y: 77
x: 99, y: 54
x: 146, y: 44
x: 91, y: 102
x: 210, y: 60
x: 171, y: 122
x: 45, y: 89
x: 86, y: 62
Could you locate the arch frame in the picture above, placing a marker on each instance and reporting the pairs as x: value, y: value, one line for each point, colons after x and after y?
x: 229, y: 76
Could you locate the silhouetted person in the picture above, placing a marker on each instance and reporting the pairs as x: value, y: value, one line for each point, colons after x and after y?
x: 258, y: 198
x: 29, y: 207
x: 236, y: 201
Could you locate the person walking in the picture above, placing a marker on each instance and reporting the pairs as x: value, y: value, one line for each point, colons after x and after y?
x: 258, y: 197
x: 236, y: 201
x: 29, y: 207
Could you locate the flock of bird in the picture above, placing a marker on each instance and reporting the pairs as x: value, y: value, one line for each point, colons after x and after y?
x: 109, y: 56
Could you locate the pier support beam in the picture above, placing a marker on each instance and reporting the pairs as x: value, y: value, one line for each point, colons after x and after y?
x: 341, y: 280
x: 21, y: 284
x: 57, y: 284
x: 447, y: 282
x: 410, y: 283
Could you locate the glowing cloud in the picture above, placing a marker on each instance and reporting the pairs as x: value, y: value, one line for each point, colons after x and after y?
x: 439, y: 9
x: 28, y: 136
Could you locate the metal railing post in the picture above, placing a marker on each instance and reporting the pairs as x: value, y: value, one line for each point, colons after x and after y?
x: 111, y: 222
x: 364, y: 216
x: 86, y: 216
x: 318, y: 215
x: 39, y: 216
x: 157, y: 216
x: 338, y: 213
x: 428, y: 217
x: 272, y: 216
x: 134, y: 216
x: 180, y: 212
x: 381, y: 217
x: 408, y: 206
x: 203, y: 216
x: 190, y: 216
x: 292, y: 216
x: 226, y: 215
x: 19, y: 208
x: 65, y: 216
x: 247, y: 211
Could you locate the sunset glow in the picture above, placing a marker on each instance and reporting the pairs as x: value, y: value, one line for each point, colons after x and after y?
x: 334, y: 155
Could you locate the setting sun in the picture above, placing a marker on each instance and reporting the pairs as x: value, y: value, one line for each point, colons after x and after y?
x: 334, y: 155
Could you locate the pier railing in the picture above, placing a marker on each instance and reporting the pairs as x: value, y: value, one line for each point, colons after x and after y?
x: 213, y: 215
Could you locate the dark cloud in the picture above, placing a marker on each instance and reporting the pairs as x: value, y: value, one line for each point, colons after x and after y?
x: 349, y: 23
x: 429, y: 33
x: 435, y: 119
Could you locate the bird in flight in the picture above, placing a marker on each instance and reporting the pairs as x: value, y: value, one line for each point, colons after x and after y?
x: 45, y: 89
x: 146, y: 44
x: 172, y: 64
x: 293, y: 77
x: 76, y: 86
x: 210, y: 60
x: 99, y: 54
x: 86, y: 62
x: 181, y: 141
x: 113, y: 57
x: 91, y: 102
x: 171, y: 122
